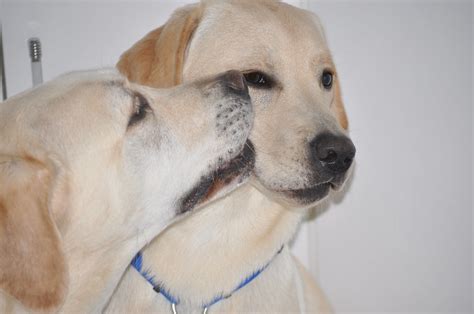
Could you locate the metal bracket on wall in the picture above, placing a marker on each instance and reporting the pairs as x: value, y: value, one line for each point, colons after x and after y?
x: 3, y: 85
x: 34, y: 46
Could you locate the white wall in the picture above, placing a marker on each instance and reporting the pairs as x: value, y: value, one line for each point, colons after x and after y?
x: 400, y: 240
x: 75, y: 34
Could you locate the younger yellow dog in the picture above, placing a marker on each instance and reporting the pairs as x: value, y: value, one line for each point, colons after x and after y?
x: 92, y: 167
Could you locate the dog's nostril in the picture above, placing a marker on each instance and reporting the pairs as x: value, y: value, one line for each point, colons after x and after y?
x: 328, y: 156
x: 348, y: 161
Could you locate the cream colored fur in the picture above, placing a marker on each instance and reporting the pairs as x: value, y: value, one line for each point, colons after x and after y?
x: 82, y: 189
x: 211, y: 252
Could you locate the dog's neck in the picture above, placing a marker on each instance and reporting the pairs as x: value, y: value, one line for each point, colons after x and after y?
x: 212, y: 250
x: 100, y: 238
x: 93, y: 277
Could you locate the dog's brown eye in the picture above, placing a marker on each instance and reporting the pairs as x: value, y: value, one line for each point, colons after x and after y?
x: 140, y: 109
x: 258, y: 79
x: 326, y: 79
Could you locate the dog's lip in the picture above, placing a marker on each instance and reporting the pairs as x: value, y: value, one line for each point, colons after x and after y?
x: 313, y: 187
x: 335, y: 183
x: 229, y: 174
x: 310, y: 194
x: 234, y: 171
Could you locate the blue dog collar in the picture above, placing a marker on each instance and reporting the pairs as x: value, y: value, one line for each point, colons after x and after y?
x: 137, y: 263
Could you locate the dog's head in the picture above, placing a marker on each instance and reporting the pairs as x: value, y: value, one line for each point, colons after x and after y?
x: 90, y: 155
x: 300, y: 133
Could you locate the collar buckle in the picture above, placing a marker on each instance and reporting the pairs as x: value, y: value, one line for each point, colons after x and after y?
x: 173, y: 309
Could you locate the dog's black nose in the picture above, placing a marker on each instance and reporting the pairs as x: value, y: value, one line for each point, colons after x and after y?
x: 334, y: 153
x: 235, y: 81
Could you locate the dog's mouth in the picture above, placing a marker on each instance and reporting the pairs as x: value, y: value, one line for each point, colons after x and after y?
x: 221, y: 181
x: 312, y: 194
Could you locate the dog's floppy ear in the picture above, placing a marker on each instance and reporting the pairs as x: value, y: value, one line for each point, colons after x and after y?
x: 157, y: 59
x: 32, y: 264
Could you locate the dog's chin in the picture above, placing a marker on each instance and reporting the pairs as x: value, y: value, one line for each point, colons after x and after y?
x: 224, y: 179
x: 299, y: 198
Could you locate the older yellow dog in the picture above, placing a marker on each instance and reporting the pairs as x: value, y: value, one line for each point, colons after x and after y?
x: 93, y: 167
x: 302, y: 153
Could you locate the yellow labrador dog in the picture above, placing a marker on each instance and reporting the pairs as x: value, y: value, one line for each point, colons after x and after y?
x: 92, y: 167
x: 232, y: 256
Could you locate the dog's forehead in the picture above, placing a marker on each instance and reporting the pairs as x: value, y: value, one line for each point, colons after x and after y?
x: 260, y: 32
x: 259, y: 18
x: 86, y: 93
x: 88, y: 76
x: 79, y: 85
x: 102, y: 93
